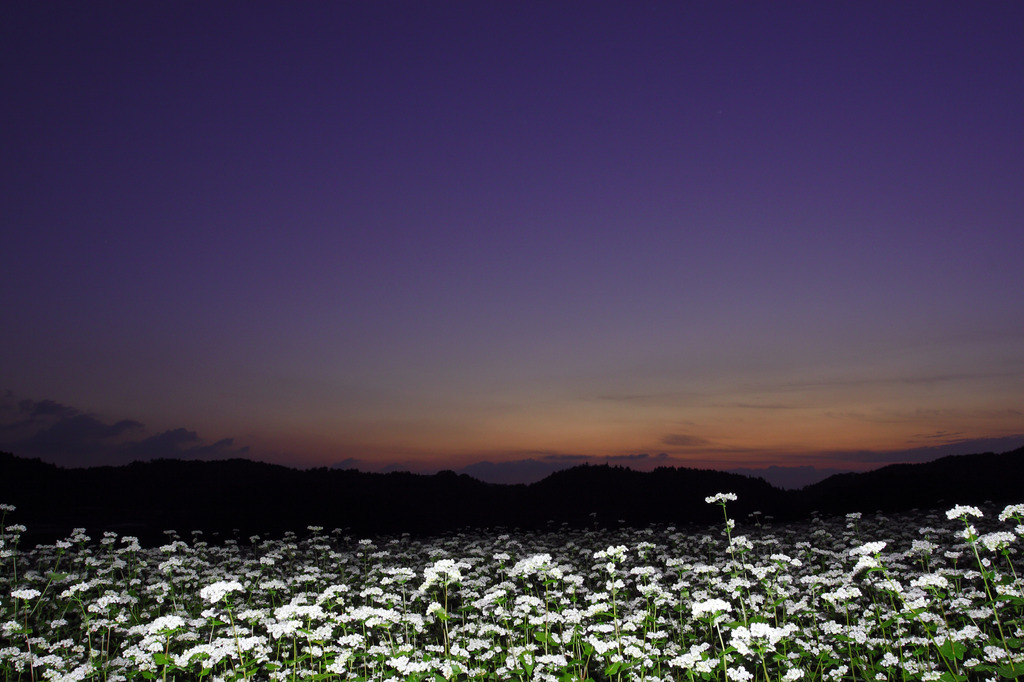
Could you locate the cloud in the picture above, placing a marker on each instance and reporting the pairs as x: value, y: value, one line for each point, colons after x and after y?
x: 25, y: 413
x: 45, y: 408
x: 682, y: 440
x: 80, y: 433
x: 69, y: 437
x: 760, y: 406
x: 566, y: 458
x: 634, y: 459
x: 667, y: 397
x: 182, y: 444
x: 947, y: 436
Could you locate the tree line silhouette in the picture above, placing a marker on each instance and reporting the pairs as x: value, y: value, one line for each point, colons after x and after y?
x: 237, y: 498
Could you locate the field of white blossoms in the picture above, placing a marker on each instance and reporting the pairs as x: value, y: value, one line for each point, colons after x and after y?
x: 927, y: 596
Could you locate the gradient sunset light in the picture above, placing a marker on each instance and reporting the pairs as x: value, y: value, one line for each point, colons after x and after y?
x: 425, y: 235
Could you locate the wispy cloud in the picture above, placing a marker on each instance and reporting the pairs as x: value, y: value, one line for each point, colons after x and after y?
x: 944, y: 436
x: 682, y: 440
x: 927, y: 379
x: 68, y: 436
x: 760, y: 406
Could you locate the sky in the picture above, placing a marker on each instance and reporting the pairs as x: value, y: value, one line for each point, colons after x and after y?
x: 508, y: 237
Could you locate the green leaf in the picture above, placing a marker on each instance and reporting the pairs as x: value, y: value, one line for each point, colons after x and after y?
x: 1010, y: 673
x: 1003, y: 670
x: 613, y: 668
x: 161, y: 659
x: 951, y: 649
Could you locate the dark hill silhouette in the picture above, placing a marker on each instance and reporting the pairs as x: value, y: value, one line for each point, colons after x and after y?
x: 241, y: 497
x: 956, y: 479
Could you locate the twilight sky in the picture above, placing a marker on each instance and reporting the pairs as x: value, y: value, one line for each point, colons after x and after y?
x: 425, y: 235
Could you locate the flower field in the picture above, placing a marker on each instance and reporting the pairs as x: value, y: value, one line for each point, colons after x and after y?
x: 928, y: 596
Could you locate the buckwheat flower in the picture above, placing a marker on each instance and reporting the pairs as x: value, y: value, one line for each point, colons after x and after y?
x: 711, y: 606
x: 994, y: 654
x: 962, y: 511
x: 613, y: 553
x: 842, y: 594
x: 865, y: 563
x: 283, y: 629
x: 165, y: 623
x: 930, y: 580
x: 923, y: 547
x: 1011, y: 511
x: 26, y: 594
x: 407, y: 667
x: 889, y: 660
x: 837, y: 673
x: 443, y: 571
x: 868, y: 548
x: 738, y: 674
x: 218, y: 590
x: 997, y: 541
x: 720, y: 497
x: 967, y: 633
x: 792, y: 675
x: 970, y: 533
x: 539, y: 563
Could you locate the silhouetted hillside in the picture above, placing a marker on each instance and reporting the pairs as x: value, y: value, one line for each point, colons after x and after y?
x: 957, y: 479
x: 241, y: 497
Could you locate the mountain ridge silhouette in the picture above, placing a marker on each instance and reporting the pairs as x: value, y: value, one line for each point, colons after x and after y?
x: 240, y: 497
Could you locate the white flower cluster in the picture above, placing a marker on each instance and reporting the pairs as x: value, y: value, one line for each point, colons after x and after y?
x: 538, y: 563
x: 1011, y: 511
x: 721, y: 498
x: 930, y: 580
x: 868, y: 548
x: 780, y: 605
x: 443, y: 571
x: 165, y: 624
x: 218, y: 590
x: 614, y: 553
x: 711, y: 606
x: 997, y: 541
x: 762, y: 636
x: 962, y: 511
x: 25, y: 594
x: 695, y: 659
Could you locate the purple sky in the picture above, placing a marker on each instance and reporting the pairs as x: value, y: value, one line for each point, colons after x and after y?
x: 425, y: 235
